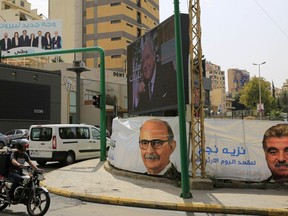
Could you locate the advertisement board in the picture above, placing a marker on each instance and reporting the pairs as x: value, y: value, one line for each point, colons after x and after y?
x: 27, y: 37
x: 151, y: 66
x: 233, y: 148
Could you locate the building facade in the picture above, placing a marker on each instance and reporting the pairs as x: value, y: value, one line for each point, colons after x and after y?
x: 217, y: 94
x: 110, y: 24
x: 236, y: 80
x: 17, y: 10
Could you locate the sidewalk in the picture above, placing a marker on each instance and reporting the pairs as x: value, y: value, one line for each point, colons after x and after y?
x: 89, y: 180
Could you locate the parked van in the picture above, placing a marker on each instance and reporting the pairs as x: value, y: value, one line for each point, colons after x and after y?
x: 65, y: 143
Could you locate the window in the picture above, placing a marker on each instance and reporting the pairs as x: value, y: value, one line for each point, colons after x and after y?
x: 115, y: 56
x: 74, y: 133
x: 95, y: 133
x: 115, y: 38
x: 129, y: 8
x: 139, y: 3
x: 130, y: 25
x: 138, y: 32
x: 138, y: 17
x: 22, y: 4
x: 115, y: 4
x: 115, y: 21
x: 41, y: 134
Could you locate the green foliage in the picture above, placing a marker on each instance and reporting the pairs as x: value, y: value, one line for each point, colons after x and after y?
x: 237, y: 104
x: 249, y: 96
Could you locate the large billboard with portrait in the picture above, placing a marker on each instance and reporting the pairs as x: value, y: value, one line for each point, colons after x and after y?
x: 235, y: 149
x: 151, y: 65
x: 27, y: 37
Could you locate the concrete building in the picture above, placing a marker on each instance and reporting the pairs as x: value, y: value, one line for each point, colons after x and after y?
x: 17, y: 10
x: 217, y: 94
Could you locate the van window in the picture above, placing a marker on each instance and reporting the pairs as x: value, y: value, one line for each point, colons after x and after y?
x: 74, y: 133
x: 95, y: 133
x: 41, y: 134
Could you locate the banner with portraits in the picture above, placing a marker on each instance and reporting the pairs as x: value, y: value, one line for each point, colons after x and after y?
x: 233, y: 147
x: 28, y: 37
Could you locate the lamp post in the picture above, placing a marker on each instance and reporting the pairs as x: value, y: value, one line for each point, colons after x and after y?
x: 260, y: 103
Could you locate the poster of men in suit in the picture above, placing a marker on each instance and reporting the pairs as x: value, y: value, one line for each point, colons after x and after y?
x: 25, y: 37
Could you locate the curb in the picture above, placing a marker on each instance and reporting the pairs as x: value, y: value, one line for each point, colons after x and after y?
x: 189, y: 207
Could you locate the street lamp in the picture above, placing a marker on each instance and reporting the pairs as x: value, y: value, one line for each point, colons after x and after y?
x: 260, y: 104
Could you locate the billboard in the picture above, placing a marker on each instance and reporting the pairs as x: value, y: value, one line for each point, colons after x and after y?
x: 151, y: 65
x: 27, y: 37
x: 233, y: 148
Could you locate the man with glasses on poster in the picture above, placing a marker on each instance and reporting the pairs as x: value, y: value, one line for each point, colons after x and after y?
x: 156, y: 142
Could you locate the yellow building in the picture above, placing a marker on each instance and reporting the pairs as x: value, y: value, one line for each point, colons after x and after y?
x: 236, y: 80
x: 217, y: 94
x: 112, y: 25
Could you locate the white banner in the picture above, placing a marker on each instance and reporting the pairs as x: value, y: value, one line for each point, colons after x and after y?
x: 233, y: 147
x: 28, y: 37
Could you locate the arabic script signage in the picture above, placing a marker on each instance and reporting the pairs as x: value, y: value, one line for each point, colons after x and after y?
x: 28, y: 37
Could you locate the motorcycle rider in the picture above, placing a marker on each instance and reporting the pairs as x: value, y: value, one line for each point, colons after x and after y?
x: 18, y: 159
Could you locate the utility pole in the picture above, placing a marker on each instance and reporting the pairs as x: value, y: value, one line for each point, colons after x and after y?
x: 198, y: 160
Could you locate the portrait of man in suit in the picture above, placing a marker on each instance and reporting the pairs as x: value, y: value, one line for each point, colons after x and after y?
x: 157, y: 84
x: 275, y: 145
x: 156, y: 142
x: 56, y: 41
x: 40, y: 40
x: 6, y: 42
x: 24, y: 39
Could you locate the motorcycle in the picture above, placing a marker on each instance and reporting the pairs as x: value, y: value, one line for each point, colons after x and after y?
x: 29, y: 193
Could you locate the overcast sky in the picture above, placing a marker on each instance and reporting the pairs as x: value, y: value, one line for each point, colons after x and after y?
x: 236, y: 33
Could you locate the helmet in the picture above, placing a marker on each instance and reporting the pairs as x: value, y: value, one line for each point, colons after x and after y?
x: 23, y: 143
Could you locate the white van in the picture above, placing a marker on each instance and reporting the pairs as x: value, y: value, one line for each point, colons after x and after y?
x: 65, y: 143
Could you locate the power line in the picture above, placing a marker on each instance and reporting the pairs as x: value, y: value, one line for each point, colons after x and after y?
x: 275, y: 23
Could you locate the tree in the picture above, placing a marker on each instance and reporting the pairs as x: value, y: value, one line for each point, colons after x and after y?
x: 250, y: 94
x: 237, y: 104
x: 283, y: 101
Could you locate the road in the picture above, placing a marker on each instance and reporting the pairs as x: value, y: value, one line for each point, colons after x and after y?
x: 62, y: 206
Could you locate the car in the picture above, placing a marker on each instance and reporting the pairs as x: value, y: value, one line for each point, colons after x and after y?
x: 65, y: 143
x: 16, y: 134
x: 3, y: 140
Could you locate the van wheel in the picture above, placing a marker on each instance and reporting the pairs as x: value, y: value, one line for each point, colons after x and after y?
x: 70, y: 158
x: 41, y: 163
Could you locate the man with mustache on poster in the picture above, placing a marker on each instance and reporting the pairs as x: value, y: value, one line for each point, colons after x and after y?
x: 156, y: 144
x: 275, y: 145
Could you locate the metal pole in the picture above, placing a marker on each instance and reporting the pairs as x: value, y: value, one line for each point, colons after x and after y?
x: 78, y: 75
x: 103, y: 108
x: 260, y: 104
x: 181, y: 105
x: 259, y: 85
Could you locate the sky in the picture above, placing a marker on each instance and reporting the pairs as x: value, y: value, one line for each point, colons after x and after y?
x: 236, y: 34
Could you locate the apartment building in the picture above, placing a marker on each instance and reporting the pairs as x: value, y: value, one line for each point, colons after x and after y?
x: 236, y: 80
x: 110, y: 24
x: 217, y: 94
x: 17, y: 10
